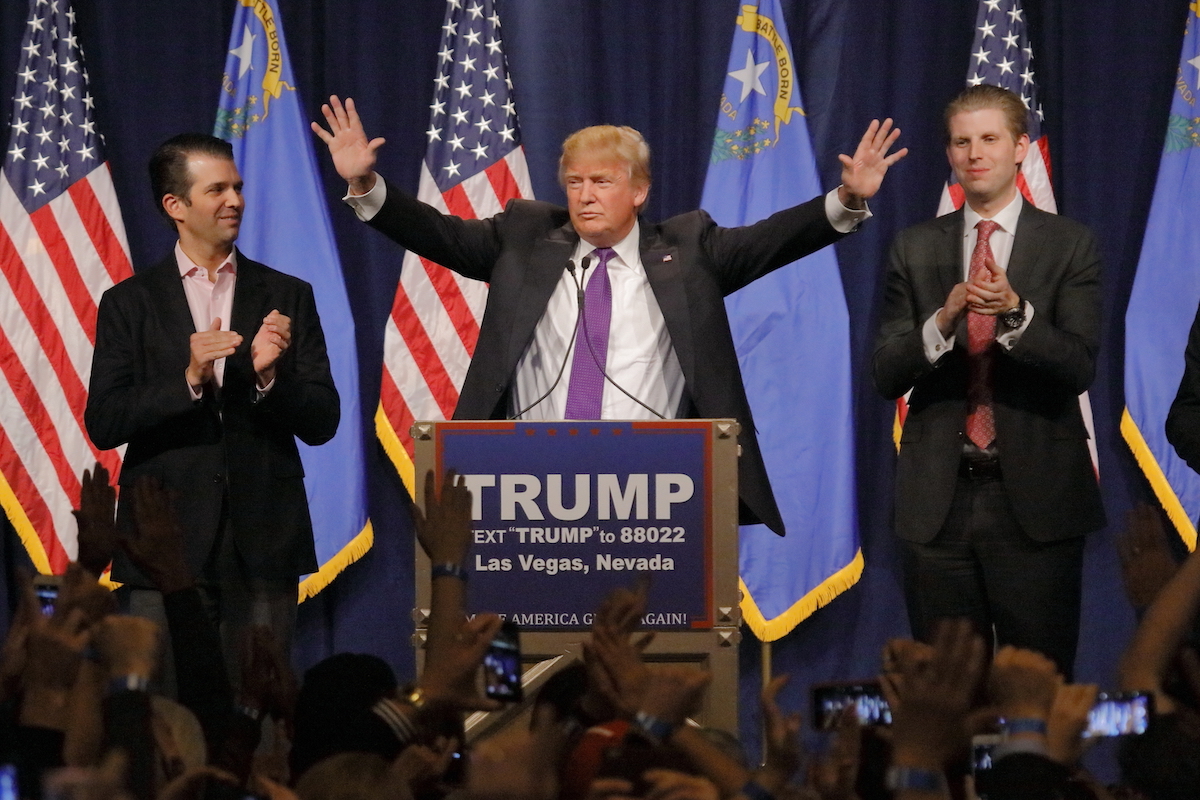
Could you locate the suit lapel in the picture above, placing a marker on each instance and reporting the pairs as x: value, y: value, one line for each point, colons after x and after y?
x: 546, y: 264
x: 949, y: 250
x: 251, y: 302
x: 1027, y: 244
x: 166, y: 286
x: 249, y: 299
x: 664, y: 271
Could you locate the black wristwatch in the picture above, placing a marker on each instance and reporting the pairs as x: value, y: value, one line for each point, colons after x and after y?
x: 1014, y: 317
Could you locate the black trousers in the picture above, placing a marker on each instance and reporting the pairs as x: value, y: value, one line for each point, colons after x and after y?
x: 982, y: 566
x: 234, y: 601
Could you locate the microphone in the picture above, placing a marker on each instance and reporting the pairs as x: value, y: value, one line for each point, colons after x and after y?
x: 585, y: 264
x: 596, y: 359
x: 574, y: 330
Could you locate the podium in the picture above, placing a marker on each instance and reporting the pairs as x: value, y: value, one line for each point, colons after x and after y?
x: 565, y: 511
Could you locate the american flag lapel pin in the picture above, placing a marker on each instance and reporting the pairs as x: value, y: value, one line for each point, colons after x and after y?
x: 666, y: 258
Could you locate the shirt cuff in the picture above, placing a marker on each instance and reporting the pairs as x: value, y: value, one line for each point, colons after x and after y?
x: 1008, y: 340
x: 263, y: 391
x: 936, y: 345
x: 367, y: 205
x: 196, y: 392
x: 844, y: 220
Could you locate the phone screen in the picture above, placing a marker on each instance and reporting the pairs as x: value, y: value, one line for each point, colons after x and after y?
x: 982, y: 751
x: 8, y: 782
x: 1119, y: 714
x: 47, y: 595
x: 502, y: 665
x: 866, y: 698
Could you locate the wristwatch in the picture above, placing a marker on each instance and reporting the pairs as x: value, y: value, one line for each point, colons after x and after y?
x: 1014, y: 317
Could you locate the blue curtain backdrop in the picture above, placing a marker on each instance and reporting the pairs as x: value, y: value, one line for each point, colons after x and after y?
x: 1105, y: 70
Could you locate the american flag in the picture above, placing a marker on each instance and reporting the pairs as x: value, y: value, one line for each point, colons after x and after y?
x: 474, y: 164
x: 1001, y: 56
x: 62, y: 243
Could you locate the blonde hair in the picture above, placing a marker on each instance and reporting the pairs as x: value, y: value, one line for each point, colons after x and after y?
x: 622, y: 143
x: 984, y: 96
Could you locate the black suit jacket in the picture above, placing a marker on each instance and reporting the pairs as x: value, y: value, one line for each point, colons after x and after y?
x: 1042, y: 441
x: 690, y: 262
x: 1183, y: 421
x: 229, y: 445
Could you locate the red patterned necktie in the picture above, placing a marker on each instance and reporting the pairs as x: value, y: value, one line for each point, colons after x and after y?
x: 981, y: 339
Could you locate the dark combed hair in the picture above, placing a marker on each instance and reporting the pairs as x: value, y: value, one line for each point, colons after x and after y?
x: 978, y: 98
x: 169, y: 173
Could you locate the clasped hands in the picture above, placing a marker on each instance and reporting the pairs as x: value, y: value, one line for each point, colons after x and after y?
x: 269, y: 344
x: 991, y: 295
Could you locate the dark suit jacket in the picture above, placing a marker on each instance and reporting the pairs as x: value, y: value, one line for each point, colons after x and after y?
x: 231, y: 446
x: 1183, y: 421
x: 1047, y: 470
x: 690, y: 262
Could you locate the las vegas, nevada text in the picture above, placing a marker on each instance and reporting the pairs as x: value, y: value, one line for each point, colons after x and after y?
x: 540, y: 500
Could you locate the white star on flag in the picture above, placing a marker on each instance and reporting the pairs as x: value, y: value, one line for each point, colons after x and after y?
x: 750, y: 76
x: 244, y: 51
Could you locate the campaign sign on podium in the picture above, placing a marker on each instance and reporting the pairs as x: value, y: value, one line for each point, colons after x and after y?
x: 563, y: 512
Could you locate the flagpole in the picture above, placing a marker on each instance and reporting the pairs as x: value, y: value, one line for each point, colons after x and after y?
x: 766, y: 664
x: 765, y: 650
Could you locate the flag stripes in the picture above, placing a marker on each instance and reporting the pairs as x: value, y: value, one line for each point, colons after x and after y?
x: 431, y: 333
x: 62, y: 244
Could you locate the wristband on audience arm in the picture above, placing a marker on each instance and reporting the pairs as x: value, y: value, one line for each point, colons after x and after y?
x: 657, y: 729
x: 917, y: 779
x: 448, y: 570
x: 1017, y: 725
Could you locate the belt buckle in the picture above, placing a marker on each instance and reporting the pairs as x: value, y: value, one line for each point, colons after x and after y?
x: 982, y: 468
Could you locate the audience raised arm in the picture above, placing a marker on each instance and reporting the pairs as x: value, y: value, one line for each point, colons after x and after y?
x: 931, y: 701
x: 455, y: 645
x: 96, y: 520
x: 1167, y: 621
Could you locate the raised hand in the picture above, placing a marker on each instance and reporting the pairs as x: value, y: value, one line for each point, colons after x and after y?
x: 444, y: 527
x: 452, y: 661
x: 96, y: 519
x: 953, y: 310
x: 1068, y: 720
x: 991, y: 294
x: 1146, y: 560
x: 156, y: 544
x: 862, y: 174
x: 206, y: 347
x: 268, y: 683
x: 783, y: 753
x: 929, y: 724
x: 353, y: 155
x: 673, y: 692
x: 832, y: 776
x: 1023, y: 683
x: 269, y: 344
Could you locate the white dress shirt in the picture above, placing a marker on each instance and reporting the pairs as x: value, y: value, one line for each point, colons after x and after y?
x: 208, y: 301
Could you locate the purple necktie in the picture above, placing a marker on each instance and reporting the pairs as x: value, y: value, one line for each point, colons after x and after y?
x: 586, y: 389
